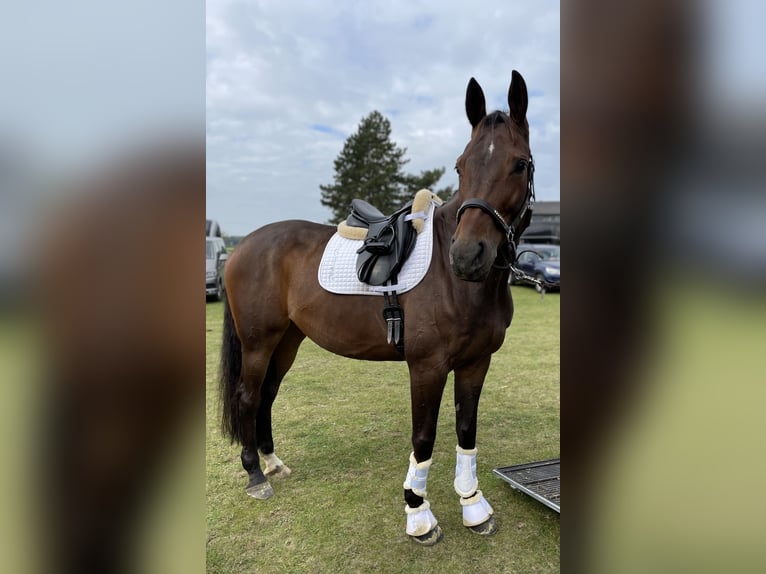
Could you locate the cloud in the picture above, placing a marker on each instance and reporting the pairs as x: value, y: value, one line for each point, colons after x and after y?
x: 328, y: 130
x: 287, y: 82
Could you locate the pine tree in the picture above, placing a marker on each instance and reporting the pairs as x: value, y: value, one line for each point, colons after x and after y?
x: 369, y: 167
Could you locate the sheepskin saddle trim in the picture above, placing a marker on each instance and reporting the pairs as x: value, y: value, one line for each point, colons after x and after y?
x: 420, y: 204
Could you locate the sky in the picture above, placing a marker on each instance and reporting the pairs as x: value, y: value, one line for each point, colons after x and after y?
x: 84, y: 78
x: 287, y: 82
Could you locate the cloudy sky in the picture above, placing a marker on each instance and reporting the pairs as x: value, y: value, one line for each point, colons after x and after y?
x: 288, y: 81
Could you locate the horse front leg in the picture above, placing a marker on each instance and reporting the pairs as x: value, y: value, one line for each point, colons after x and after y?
x: 426, y: 387
x: 477, y: 512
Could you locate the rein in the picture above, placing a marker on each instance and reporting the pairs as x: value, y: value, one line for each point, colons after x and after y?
x: 508, y: 230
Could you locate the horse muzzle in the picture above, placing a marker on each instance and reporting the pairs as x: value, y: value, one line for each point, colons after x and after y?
x: 471, y: 260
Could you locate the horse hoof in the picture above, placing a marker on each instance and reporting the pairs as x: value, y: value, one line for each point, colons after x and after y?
x: 261, y: 491
x: 279, y: 472
x: 487, y: 528
x: 429, y: 538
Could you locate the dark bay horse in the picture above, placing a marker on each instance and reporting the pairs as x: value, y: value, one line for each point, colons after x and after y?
x: 455, y: 318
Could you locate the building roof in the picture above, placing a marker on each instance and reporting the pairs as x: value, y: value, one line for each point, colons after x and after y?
x: 547, y: 208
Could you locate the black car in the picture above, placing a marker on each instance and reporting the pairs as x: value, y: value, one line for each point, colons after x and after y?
x: 541, y: 261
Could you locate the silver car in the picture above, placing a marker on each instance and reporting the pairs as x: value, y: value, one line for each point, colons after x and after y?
x: 215, y: 258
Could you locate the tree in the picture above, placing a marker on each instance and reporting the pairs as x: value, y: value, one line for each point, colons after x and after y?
x: 369, y: 167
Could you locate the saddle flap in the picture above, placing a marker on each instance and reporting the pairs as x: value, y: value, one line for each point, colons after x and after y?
x: 381, y: 242
x: 382, y: 255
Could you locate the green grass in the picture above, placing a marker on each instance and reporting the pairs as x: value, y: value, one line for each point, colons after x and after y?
x: 343, y: 427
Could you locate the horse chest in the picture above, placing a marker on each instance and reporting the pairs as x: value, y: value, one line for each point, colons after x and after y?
x: 478, y: 334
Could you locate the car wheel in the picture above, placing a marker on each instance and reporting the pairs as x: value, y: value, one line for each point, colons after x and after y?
x: 219, y: 291
x: 538, y: 287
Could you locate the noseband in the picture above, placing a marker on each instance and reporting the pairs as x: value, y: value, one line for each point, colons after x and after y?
x: 508, y: 230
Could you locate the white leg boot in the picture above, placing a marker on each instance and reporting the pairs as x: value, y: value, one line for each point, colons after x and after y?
x: 476, y: 510
x: 417, y: 475
x: 421, y: 522
x: 274, y: 466
x: 466, y: 482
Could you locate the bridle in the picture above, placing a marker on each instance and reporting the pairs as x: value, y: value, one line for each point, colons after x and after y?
x: 508, y: 230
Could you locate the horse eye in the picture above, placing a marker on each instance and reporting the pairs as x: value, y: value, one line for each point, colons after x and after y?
x: 457, y: 169
x: 520, y: 166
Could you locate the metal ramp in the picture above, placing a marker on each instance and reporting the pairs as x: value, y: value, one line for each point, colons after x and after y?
x: 540, y: 480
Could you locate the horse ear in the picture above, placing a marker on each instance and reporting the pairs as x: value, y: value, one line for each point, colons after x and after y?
x: 517, y: 98
x: 475, y: 106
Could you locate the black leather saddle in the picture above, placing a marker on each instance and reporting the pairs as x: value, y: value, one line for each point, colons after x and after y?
x: 389, y: 241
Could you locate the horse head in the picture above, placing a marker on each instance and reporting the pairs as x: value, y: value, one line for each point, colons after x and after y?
x: 495, y: 182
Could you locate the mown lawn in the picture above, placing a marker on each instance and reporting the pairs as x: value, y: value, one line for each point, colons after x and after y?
x: 343, y: 427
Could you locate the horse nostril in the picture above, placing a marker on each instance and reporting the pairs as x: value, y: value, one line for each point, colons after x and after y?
x: 481, y: 246
x: 452, y: 241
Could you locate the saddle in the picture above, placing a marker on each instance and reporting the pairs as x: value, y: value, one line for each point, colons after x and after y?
x: 388, y: 242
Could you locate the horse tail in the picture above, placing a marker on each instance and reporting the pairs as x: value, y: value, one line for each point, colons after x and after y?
x: 230, y: 373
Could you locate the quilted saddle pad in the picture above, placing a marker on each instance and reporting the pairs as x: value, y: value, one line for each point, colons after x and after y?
x: 337, y: 270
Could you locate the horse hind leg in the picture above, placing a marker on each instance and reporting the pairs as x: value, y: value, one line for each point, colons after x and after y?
x: 258, y: 485
x: 255, y: 365
x: 281, y: 361
x: 263, y: 370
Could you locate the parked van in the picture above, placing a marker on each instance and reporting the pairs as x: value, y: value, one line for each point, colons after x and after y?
x: 215, y: 258
x: 212, y: 229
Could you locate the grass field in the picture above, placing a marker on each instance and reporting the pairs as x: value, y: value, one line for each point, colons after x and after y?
x: 343, y: 427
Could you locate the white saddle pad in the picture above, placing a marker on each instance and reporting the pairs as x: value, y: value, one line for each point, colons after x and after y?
x: 337, y: 270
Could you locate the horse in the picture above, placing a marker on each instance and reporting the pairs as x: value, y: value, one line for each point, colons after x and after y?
x: 456, y: 317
